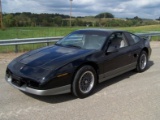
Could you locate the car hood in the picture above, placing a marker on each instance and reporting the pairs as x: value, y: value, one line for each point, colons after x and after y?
x: 52, y: 57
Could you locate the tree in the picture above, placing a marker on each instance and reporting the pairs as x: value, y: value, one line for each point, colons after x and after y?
x: 22, y: 20
x: 137, y: 18
x: 104, y: 15
x: 57, y: 21
x: 158, y: 19
x: 8, y: 20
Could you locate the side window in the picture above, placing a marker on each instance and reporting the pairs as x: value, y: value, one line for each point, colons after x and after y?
x: 117, y: 40
x: 135, y: 38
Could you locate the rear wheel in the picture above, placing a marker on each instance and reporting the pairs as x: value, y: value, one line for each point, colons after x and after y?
x: 142, y: 62
x: 84, y: 81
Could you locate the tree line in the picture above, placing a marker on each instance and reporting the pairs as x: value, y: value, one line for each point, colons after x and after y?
x: 27, y: 19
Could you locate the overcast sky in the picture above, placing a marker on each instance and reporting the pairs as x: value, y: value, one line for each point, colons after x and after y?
x: 119, y: 8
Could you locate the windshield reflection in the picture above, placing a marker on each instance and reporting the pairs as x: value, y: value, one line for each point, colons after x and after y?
x: 83, y: 40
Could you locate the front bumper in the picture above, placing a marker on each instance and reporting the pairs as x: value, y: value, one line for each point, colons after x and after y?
x: 54, y: 91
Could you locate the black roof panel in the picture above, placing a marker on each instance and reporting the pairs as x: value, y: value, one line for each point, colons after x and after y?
x: 101, y: 29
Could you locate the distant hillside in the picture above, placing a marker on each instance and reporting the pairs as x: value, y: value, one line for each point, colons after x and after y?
x: 27, y: 19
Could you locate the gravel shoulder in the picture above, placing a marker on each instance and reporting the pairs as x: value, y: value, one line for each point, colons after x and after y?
x: 7, y: 57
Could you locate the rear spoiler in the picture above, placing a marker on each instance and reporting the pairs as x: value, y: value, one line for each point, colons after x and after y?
x: 147, y: 36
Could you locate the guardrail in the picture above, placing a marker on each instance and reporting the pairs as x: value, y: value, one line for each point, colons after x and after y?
x: 151, y: 34
x: 47, y: 40
x: 17, y: 42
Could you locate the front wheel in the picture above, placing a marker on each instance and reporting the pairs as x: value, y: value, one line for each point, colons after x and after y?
x: 142, y: 62
x: 84, y: 81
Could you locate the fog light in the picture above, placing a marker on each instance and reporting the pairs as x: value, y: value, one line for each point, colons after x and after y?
x: 8, y: 77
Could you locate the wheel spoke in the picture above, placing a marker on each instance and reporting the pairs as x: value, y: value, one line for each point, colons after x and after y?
x: 143, y: 61
x: 86, y: 82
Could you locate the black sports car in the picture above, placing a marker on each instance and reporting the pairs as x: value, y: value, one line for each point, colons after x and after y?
x: 78, y: 62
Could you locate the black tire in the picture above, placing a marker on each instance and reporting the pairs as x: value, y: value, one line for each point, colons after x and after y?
x: 142, y: 62
x: 84, y: 81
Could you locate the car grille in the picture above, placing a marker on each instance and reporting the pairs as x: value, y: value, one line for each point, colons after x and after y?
x: 20, y: 81
x: 16, y: 80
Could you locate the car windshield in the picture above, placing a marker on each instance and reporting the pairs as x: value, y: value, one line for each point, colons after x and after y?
x: 84, y: 40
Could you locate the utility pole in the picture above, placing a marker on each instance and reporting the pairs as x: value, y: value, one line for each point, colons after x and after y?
x: 1, y: 23
x: 71, y: 13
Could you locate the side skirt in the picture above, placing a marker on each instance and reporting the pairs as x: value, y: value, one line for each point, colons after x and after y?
x: 116, y: 72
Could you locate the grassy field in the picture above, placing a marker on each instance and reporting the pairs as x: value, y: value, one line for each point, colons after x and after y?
x: 34, y: 32
x: 142, y: 28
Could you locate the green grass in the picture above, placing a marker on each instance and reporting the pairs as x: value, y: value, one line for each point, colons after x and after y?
x: 142, y: 28
x: 34, y: 32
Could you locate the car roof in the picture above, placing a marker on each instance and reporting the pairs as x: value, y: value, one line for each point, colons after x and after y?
x: 102, y: 29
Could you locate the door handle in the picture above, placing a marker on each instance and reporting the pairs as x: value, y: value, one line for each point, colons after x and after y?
x: 135, y: 55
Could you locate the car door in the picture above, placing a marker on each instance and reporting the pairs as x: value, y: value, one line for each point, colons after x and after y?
x: 136, y: 45
x: 117, y: 58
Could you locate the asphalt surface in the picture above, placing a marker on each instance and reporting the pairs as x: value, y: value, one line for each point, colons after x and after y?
x: 131, y: 96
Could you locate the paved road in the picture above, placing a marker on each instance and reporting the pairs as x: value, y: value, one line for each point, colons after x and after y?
x: 128, y: 97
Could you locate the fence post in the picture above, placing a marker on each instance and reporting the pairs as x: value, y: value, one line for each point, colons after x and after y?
x: 47, y: 43
x: 16, y: 48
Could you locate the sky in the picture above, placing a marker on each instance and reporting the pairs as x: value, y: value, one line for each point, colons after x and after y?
x: 119, y: 8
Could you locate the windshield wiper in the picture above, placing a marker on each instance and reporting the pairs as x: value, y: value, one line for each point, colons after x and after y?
x: 71, y: 45
x: 58, y: 44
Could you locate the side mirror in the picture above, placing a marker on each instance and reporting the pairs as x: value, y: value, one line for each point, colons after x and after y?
x: 111, y: 49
